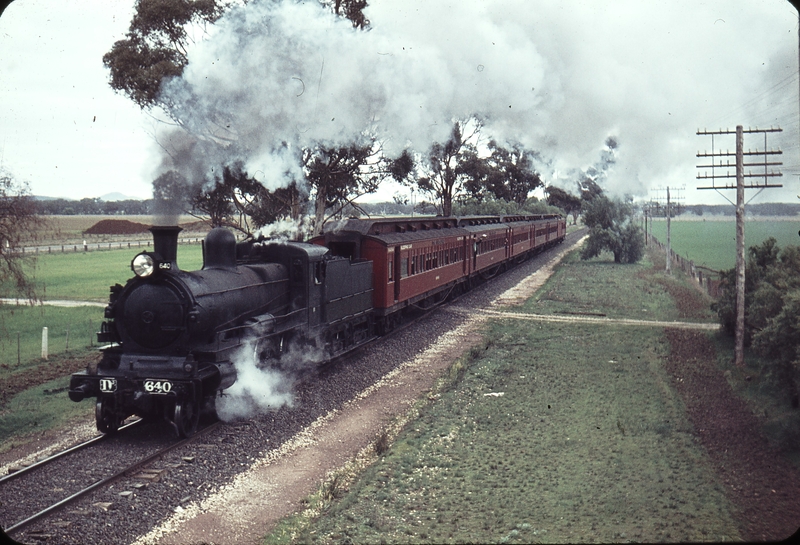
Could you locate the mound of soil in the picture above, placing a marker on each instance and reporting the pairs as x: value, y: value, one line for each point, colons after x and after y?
x: 196, y: 227
x: 116, y: 227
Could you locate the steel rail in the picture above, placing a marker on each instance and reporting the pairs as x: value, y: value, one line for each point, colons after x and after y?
x: 57, y: 455
x: 15, y: 528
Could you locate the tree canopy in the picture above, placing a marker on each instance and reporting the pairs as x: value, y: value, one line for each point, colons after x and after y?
x: 155, y: 47
x: 18, y: 224
x: 507, y: 173
x: 570, y: 204
x: 611, y: 227
x: 449, y: 165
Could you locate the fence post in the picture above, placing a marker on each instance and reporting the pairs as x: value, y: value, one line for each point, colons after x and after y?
x: 44, y: 343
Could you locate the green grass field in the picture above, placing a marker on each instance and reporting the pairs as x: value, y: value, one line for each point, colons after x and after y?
x: 87, y: 276
x: 552, y: 433
x: 712, y: 243
x: 21, y: 327
x: 83, y: 276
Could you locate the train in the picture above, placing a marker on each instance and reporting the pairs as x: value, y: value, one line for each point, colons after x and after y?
x: 170, y: 337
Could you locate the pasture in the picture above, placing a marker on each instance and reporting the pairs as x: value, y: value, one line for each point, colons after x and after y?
x: 72, y: 229
x: 81, y: 276
x: 712, y: 243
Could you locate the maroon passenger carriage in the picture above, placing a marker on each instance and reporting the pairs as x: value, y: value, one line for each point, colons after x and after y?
x: 421, y: 261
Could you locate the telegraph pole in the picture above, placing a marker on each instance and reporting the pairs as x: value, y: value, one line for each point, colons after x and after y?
x: 669, y: 210
x: 669, y: 234
x: 740, y: 186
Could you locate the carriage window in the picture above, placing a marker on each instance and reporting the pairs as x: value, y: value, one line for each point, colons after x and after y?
x: 403, y: 267
x: 391, y: 270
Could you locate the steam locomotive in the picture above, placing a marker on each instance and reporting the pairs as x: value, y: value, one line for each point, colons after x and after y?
x: 171, y: 337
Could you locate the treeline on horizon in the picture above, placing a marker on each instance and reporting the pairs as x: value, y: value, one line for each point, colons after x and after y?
x: 135, y: 207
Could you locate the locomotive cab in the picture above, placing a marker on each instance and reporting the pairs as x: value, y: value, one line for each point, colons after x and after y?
x: 334, y: 293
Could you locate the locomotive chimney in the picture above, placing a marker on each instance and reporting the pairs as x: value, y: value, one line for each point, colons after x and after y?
x: 165, y: 243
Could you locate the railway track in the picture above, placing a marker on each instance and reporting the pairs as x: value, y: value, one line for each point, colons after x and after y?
x: 70, y: 465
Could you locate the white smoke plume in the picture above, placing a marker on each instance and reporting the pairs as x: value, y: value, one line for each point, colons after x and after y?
x: 260, y: 388
x: 280, y: 75
x: 286, y: 229
x: 558, y: 76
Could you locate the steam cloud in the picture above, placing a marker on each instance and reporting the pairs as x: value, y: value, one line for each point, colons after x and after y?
x: 278, y: 76
x: 558, y: 77
x: 260, y: 389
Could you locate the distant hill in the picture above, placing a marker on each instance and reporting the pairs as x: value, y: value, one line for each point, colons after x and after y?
x: 117, y: 196
x: 108, y: 197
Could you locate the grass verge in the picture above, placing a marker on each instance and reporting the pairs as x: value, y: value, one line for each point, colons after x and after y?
x: 550, y: 433
x: 68, y: 329
x: 38, y: 409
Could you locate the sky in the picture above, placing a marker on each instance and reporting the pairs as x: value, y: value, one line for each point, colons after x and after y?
x: 559, y: 76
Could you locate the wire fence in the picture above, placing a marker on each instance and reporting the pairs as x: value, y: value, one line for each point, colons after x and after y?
x: 95, y: 246
x: 708, y: 279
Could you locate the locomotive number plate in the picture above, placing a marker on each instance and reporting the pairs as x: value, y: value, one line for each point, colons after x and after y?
x: 108, y: 385
x: 153, y: 386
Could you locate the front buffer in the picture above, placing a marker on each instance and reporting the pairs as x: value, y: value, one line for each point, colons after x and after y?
x: 159, y: 394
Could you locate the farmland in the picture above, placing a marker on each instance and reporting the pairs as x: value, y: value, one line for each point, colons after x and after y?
x: 81, y: 276
x: 76, y: 229
x: 712, y: 243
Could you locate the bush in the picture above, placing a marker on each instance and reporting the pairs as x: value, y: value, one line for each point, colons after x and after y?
x: 772, y: 310
x: 612, y: 229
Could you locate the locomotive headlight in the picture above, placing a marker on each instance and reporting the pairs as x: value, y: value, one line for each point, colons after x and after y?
x: 143, y: 265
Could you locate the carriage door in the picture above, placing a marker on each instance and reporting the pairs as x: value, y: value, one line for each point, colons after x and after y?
x: 399, y: 271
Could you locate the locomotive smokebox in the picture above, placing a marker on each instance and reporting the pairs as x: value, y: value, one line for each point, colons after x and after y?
x: 165, y: 243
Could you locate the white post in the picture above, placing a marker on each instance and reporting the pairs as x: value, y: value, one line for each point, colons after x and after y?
x: 44, y: 343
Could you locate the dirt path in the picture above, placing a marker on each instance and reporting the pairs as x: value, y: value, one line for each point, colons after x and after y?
x: 274, y: 487
x: 54, y: 303
x: 600, y: 321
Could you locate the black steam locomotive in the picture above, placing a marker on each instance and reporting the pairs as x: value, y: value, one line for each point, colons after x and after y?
x: 172, y: 336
